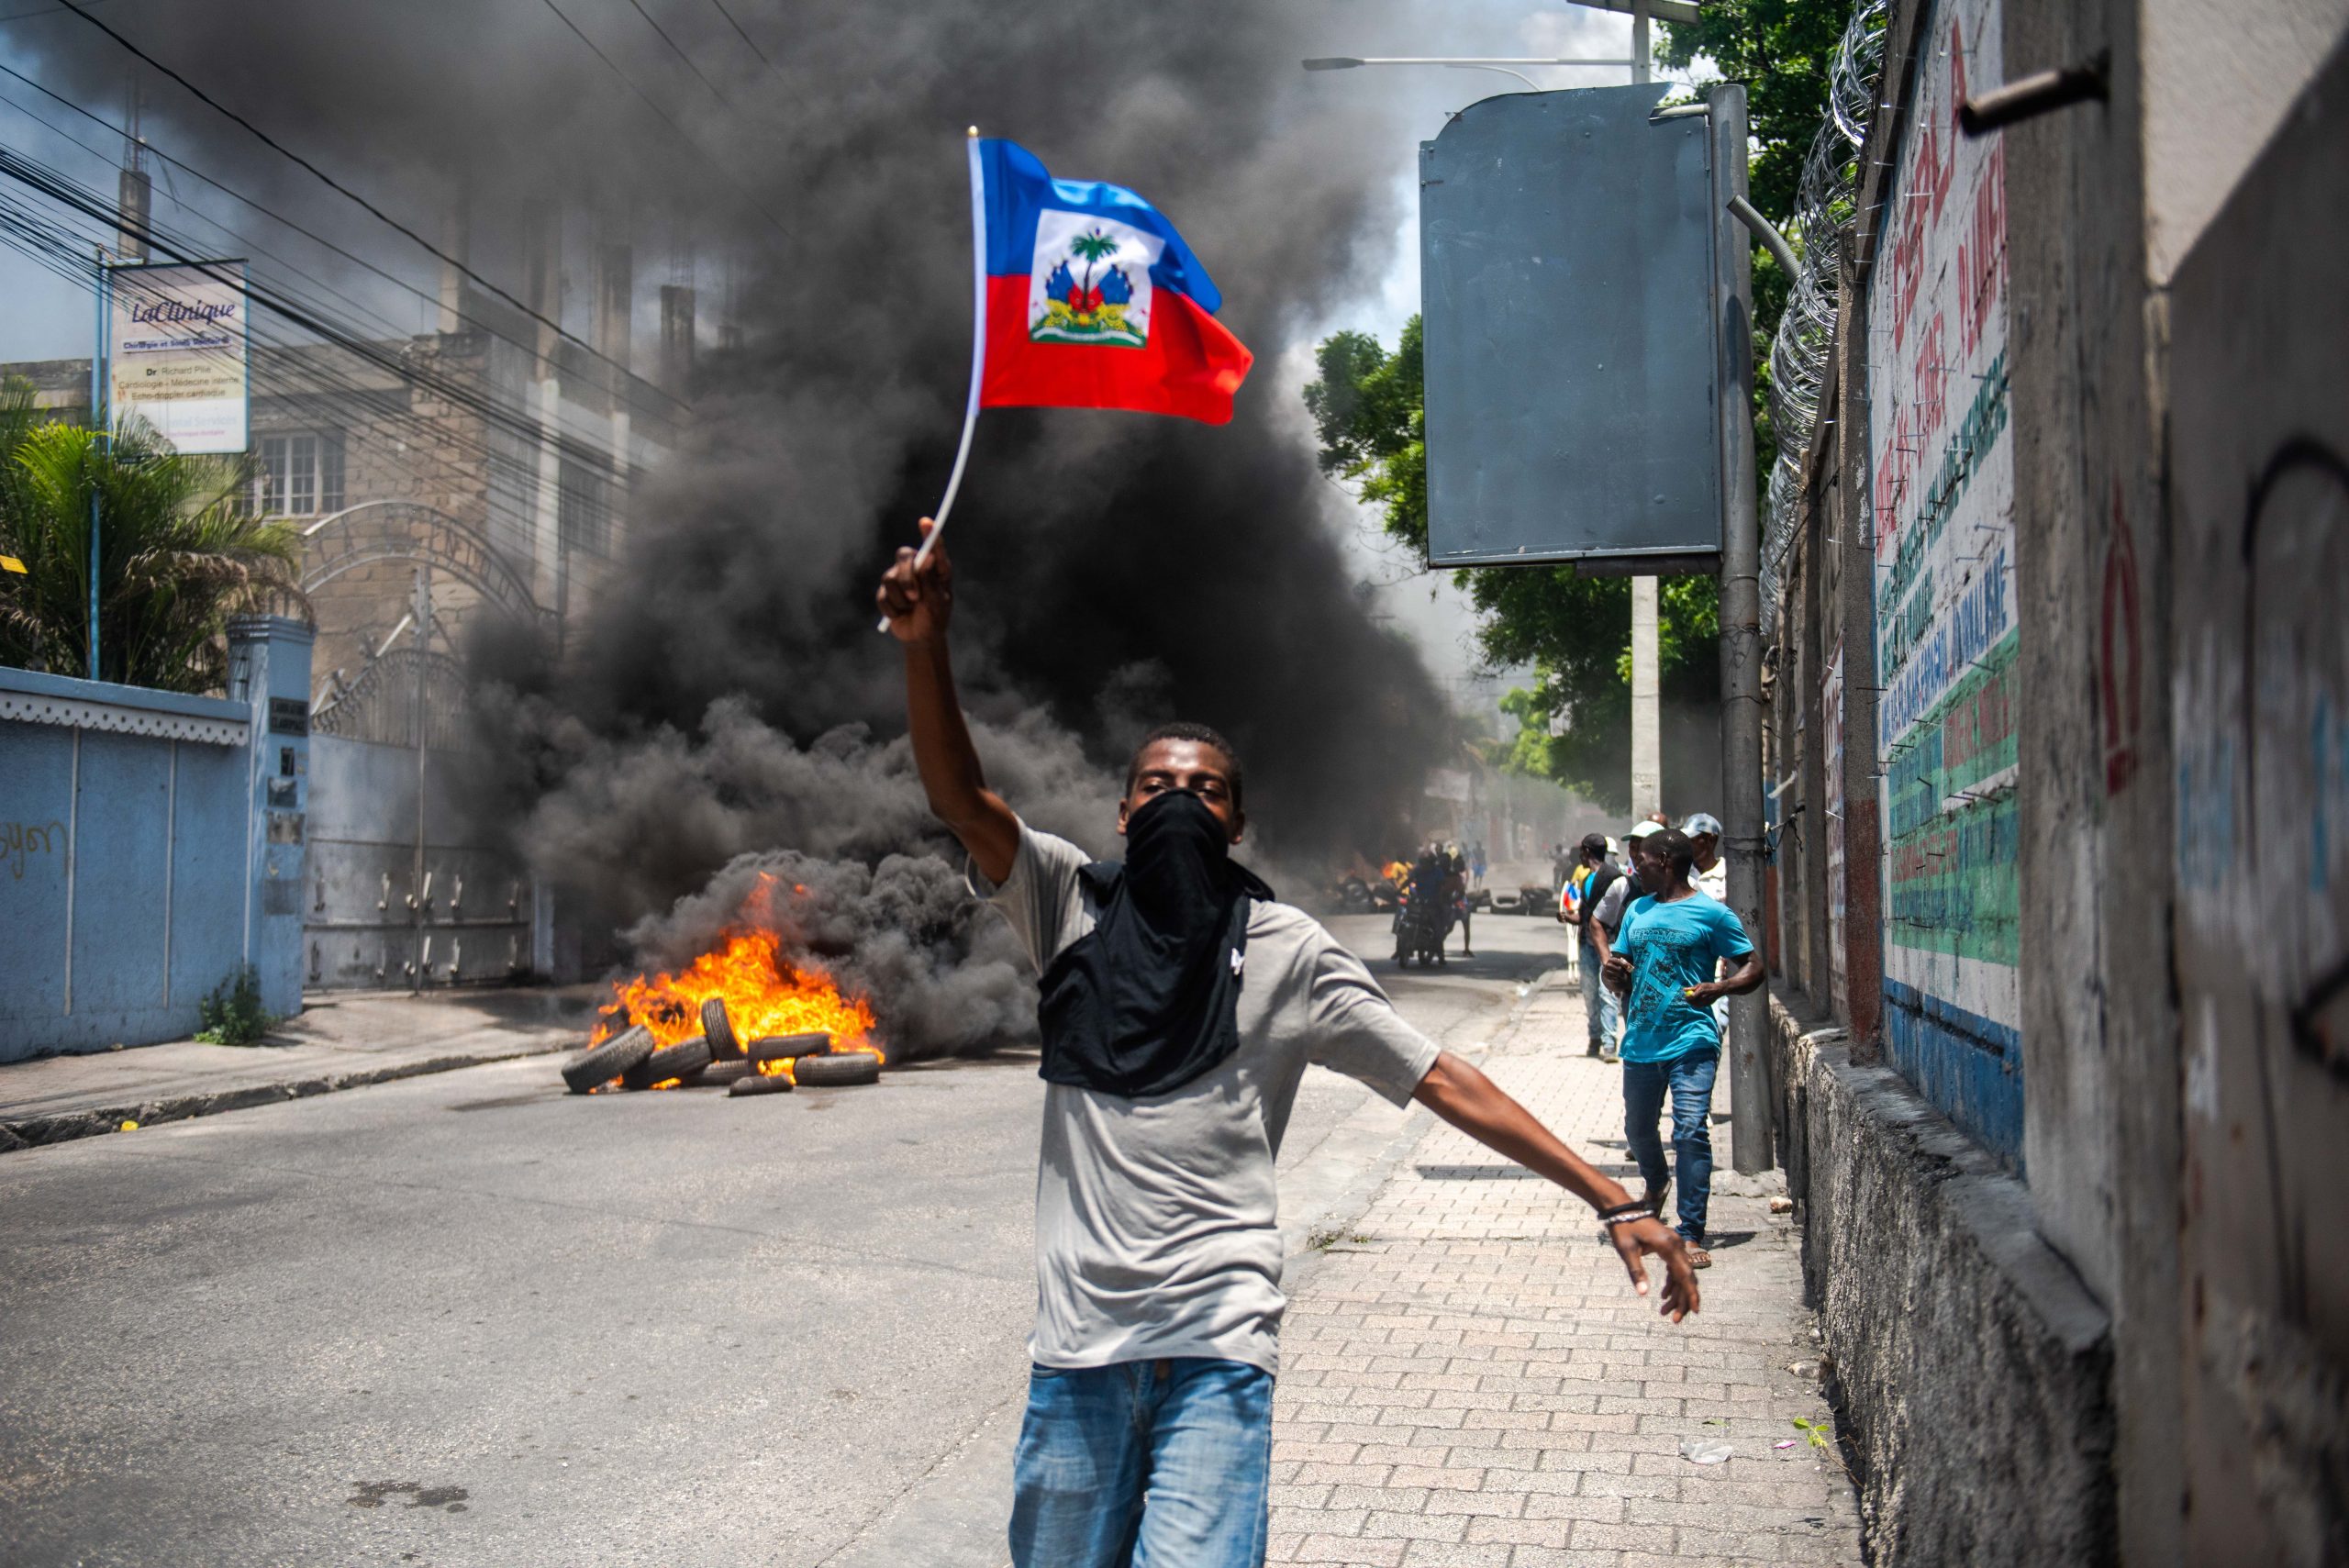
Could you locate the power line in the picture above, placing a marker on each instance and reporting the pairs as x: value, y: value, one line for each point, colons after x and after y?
x: 743, y: 36
x: 41, y: 11
x: 328, y: 179
x: 65, y: 192
x: 683, y: 134
x: 509, y: 496
x: 628, y: 379
x: 508, y: 474
x: 680, y: 53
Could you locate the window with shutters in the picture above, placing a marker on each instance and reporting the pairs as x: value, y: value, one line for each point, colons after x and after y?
x: 298, y: 475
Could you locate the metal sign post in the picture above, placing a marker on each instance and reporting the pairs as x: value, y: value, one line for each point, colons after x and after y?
x: 1741, y: 615
x: 99, y: 422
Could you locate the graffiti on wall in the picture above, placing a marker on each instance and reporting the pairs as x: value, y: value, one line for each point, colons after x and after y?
x: 1942, y: 497
x: 19, y: 840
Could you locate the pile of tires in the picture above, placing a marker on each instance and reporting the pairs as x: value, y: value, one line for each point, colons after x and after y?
x: 773, y: 1064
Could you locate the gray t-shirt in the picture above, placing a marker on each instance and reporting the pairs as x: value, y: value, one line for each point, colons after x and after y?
x: 1157, y: 1226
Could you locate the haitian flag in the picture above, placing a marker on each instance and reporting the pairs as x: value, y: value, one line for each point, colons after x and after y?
x: 1092, y: 300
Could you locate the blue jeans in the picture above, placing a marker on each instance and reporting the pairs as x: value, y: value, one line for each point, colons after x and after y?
x: 1690, y: 1078
x: 1151, y: 1464
x: 1599, y: 1003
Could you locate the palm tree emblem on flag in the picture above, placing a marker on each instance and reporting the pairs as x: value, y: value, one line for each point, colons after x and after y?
x: 1091, y: 282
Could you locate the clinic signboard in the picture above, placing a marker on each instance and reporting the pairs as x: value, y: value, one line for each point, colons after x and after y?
x: 176, y: 353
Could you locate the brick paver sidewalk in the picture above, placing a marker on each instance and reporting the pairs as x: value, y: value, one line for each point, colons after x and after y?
x: 1466, y: 1377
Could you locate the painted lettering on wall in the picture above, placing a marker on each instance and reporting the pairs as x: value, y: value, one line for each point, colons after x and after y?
x: 19, y: 840
x: 1943, y: 496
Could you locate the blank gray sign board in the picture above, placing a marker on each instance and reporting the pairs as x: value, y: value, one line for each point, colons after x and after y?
x: 1566, y: 260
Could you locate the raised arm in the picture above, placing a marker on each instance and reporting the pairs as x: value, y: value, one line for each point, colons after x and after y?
x: 1475, y: 1104
x: 919, y: 601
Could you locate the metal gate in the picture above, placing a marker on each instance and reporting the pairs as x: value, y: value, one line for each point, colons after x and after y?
x: 404, y: 885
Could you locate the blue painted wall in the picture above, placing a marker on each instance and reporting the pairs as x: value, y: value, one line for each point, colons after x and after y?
x: 144, y: 854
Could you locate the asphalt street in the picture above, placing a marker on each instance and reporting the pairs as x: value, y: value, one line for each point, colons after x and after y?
x: 472, y: 1319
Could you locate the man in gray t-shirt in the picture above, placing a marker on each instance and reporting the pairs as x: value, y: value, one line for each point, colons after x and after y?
x: 1181, y: 1005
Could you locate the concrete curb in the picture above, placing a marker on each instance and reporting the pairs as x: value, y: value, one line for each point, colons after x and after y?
x: 1972, y: 1368
x: 32, y: 1133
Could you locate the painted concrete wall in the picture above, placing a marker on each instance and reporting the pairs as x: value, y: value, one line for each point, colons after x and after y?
x: 1970, y: 1367
x: 2175, y: 685
x: 1940, y: 452
x: 139, y: 851
x: 2258, y: 697
x: 2099, y: 1015
x: 268, y: 667
x: 2220, y: 76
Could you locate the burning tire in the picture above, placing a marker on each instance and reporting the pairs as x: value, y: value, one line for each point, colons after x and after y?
x: 719, y: 1029
x: 685, y: 1057
x: 848, y: 1068
x: 782, y: 1047
x: 758, y: 1084
x: 602, y: 1063
x: 718, y: 1074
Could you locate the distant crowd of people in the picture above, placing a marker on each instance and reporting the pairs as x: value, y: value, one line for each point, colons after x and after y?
x: 1660, y: 955
x: 1433, y: 895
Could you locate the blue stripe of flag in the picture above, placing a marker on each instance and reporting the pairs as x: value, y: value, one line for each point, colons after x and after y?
x: 1018, y: 187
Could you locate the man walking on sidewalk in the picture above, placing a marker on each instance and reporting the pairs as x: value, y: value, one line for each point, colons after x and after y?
x: 1672, y: 942
x: 1597, y: 876
x: 1710, y: 876
x: 1180, y: 1006
x: 1602, y: 919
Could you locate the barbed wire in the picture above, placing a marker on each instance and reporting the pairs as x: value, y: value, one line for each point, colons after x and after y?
x: 1825, y: 203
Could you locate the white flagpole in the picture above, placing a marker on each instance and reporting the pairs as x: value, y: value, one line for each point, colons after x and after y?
x: 978, y: 351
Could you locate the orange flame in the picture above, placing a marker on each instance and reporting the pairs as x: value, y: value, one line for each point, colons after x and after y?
x: 763, y: 995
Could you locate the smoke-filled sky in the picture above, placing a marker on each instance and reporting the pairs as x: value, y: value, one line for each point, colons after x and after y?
x: 728, y: 697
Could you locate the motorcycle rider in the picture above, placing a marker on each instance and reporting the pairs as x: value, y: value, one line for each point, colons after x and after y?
x: 1455, y: 894
x: 1418, y: 921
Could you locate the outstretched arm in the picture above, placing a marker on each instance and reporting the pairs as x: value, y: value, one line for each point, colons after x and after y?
x: 1477, y: 1106
x: 919, y: 601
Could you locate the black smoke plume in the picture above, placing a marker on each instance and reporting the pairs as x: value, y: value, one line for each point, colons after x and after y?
x: 724, y: 695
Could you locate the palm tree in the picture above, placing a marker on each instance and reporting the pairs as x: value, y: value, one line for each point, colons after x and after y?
x: 1092, y: 247
x: 179, y: 554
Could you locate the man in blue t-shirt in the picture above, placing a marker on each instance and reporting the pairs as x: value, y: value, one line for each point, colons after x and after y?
x: 1663, y: 964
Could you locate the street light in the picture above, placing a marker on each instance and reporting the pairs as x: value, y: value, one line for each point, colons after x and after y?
x: 1463, y: 62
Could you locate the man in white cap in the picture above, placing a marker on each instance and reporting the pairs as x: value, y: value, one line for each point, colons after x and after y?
x: 1711, y: 879
x: 1704, y: 831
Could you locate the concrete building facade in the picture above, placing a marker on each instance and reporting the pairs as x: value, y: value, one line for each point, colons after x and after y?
x: 481, y: 473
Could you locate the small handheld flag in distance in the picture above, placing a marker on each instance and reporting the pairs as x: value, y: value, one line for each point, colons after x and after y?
x: 1084, y: 297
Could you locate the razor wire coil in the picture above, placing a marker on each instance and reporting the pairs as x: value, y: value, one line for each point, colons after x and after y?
x: 1825, y: 204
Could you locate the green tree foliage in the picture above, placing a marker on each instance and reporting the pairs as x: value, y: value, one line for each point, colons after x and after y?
x: 1576, y: 632
x: 1780, y: 50
x: 179, y: 555
x: 1574, y: 723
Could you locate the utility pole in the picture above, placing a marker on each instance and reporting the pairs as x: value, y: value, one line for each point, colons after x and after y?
x: 1647, y: 733
x: 1749, y: 1105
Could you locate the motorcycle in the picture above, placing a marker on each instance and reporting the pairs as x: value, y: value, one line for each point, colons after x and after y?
x: 1420, y: 927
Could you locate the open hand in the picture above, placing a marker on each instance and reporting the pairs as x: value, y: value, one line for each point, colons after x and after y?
x: 918, y: 601
x: 1634, y: 1241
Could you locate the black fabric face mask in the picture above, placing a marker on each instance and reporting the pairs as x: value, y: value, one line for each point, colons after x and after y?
x: 1148, y: 999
